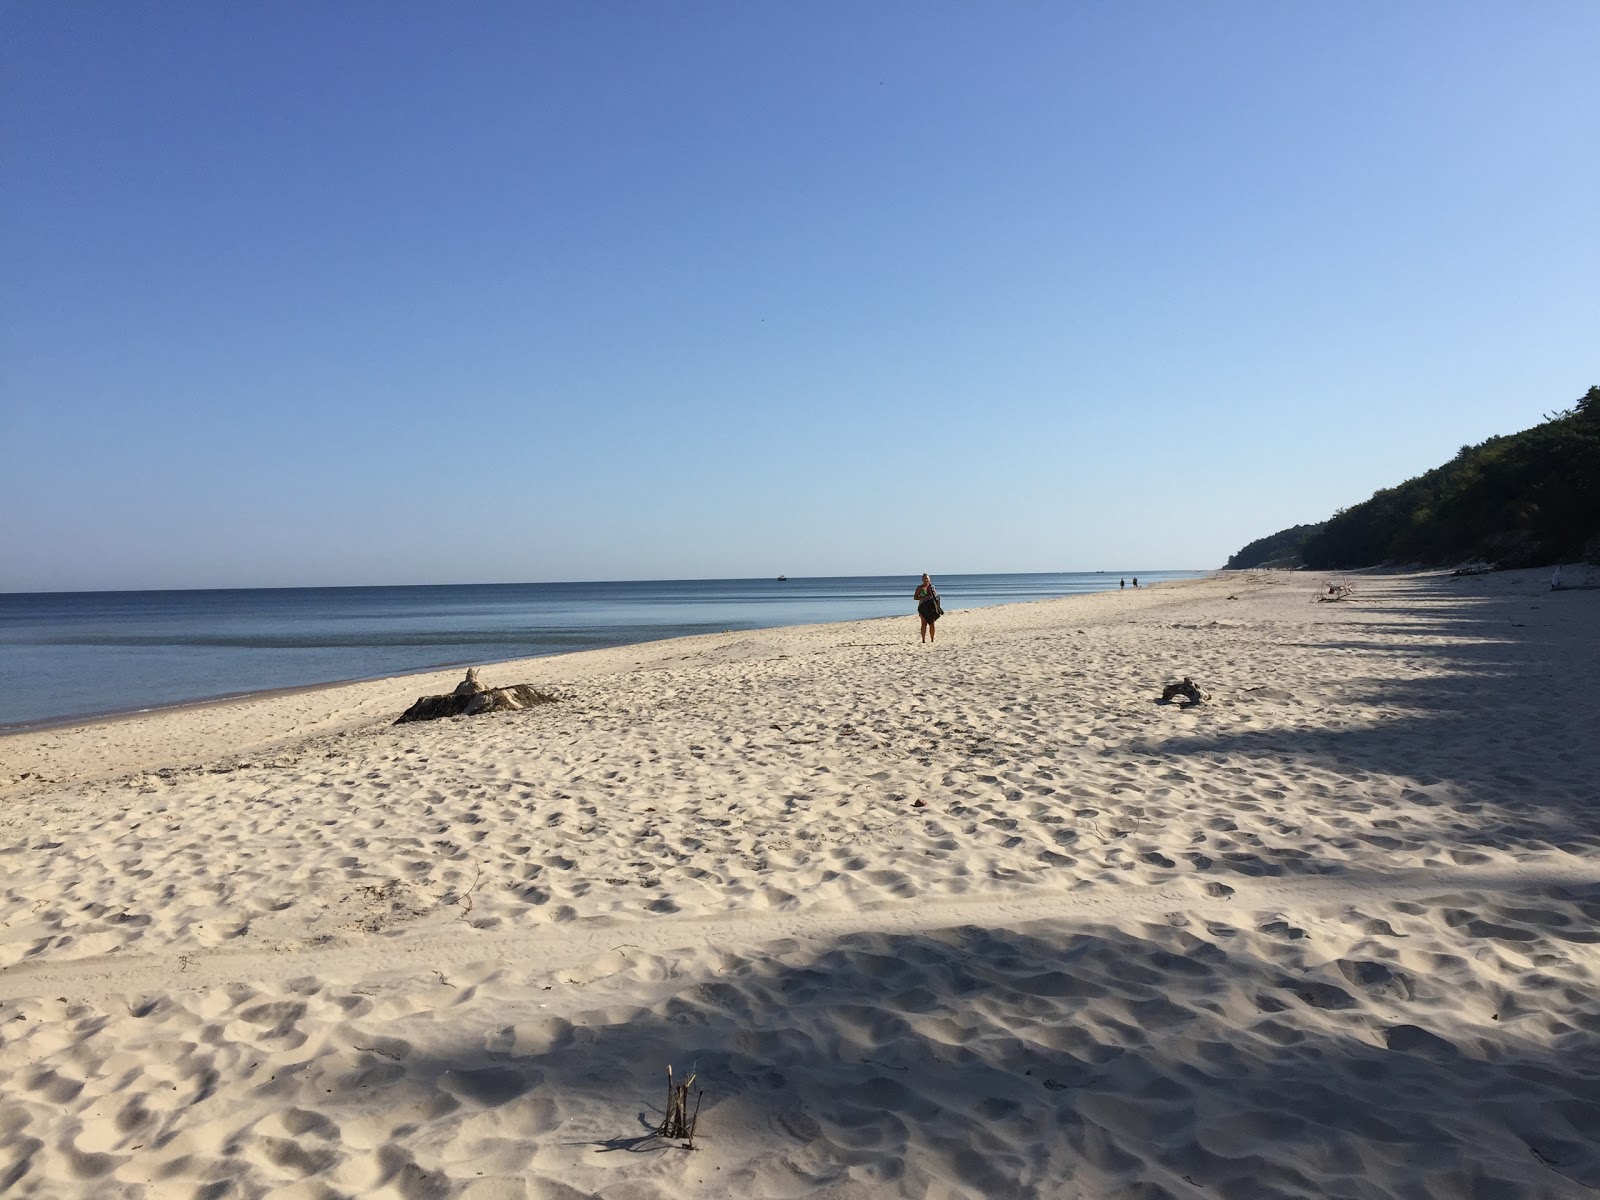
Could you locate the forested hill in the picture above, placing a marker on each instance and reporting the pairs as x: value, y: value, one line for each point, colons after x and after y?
x: 1523, y: 500
x: 1281, y: 549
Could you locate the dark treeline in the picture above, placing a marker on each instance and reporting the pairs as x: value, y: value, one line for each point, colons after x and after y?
x: 1282, y: 549
x: 1523, y: 500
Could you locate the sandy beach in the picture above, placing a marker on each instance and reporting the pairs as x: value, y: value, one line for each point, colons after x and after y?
x: 975, y: 919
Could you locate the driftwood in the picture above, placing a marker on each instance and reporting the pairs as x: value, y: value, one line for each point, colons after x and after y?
x: 680, y: 1122
x: 1187, y: 689
x: 1587, y: 581
x: 1336, y: 591
x: 471, y: 698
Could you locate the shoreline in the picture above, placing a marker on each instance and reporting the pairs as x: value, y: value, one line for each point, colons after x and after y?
x: 600, y: 642
x: 443, y: 679
x: 79, y: 720
x: 982, y: 918
x: 111, y: 717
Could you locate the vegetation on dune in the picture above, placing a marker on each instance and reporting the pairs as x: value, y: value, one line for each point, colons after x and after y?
x: 1522, y: 500
x: 1282, y: 549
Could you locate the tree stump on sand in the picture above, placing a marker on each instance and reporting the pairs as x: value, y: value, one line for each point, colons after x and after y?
x: 1187, y: 689
x: 471, y: 698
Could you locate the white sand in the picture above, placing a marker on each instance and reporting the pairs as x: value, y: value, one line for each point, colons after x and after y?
x: 1332, y: 933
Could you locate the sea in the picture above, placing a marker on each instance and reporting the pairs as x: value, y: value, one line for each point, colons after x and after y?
x: 70, y: 656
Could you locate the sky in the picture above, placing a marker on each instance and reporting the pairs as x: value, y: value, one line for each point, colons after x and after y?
x: 310, y: 293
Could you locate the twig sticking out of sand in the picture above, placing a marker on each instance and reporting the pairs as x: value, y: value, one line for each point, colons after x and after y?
x: 679, y: 1121
x: 477, y: 878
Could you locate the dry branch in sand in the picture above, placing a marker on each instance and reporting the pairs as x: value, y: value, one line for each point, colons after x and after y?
x: 679, y: 1122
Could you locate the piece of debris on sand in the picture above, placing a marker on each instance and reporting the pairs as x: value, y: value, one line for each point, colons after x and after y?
x: 1187, y: 689
x: 471, y: 698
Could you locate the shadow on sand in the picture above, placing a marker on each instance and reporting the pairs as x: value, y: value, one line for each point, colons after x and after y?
x: 1493, y: 695
x: 1203, y: 1060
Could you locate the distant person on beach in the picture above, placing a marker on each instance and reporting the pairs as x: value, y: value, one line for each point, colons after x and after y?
x: 1122, y: 583
x: 1135, y: 581
x: 928, y: 609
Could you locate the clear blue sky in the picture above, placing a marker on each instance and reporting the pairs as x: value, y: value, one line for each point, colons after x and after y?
x: 362, y: 292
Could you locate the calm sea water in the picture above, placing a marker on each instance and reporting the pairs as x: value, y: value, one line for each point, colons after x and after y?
x: 73, y: 654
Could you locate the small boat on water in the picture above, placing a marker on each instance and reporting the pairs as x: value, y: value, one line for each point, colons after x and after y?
x: 783, y: 579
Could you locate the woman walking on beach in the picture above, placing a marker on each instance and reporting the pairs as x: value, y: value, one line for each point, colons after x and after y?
x: 927, y: 608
